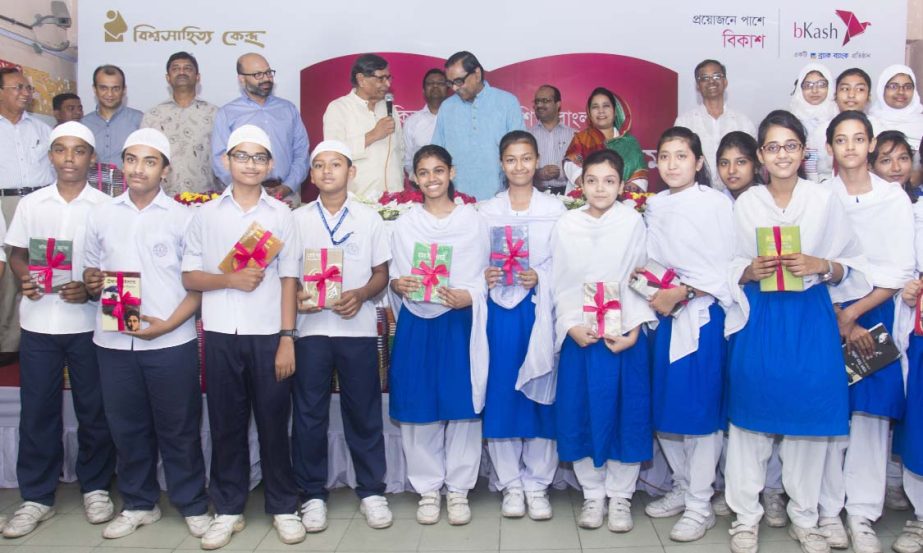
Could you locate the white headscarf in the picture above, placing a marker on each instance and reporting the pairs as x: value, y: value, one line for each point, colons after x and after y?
x: 810, y: 115
x: 909, y: 119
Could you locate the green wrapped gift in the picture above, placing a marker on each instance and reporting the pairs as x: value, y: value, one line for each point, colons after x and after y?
x: 775, y: 241
x: 431, y: 263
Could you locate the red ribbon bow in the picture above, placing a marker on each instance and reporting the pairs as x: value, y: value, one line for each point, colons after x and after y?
x: 258, y: 255
x: 600, y: 307
x: 510, y: 261
x: 664, y: 283
x: 780, y: 276
x: 52, y: 261
x: 431, y: 273
x: 121, y: 300
x: 326, y: 273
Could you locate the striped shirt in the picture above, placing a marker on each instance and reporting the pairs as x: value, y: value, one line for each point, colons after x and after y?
x: 551, y: 148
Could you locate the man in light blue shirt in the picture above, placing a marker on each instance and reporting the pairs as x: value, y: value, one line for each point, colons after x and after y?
x: 471, y: 123
x: 277, y: 117
x: 112, y: 121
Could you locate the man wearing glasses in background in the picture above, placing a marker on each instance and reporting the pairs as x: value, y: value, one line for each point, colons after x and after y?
x: 419, y: 127
x: 19, y: 175
x: 112, y: 121
x: 713, y: 119
x: 552, y: 137
x: 279, y: 118
x: 365, y: 122
x: 471, y: 123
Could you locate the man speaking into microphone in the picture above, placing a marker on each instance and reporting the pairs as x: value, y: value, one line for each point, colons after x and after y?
x: 365, y: 121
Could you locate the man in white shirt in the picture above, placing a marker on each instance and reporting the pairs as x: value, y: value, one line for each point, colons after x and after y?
x: 419, y: 127
x: 552, y: 137
x: 249, y: 320
x: 57, y: 327
x: 713, y: 119
x: 149, y: 377
x: 365, y: 122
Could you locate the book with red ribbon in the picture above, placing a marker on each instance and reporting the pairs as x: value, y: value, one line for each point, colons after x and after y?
x: 50, y: 263
x: 256, y: 248
x: 323, y: 277
x: 509, y: 250
x: 602, y: 311
x: 773, y: 242
x: 431, y: 264
x: 858, y: 366
x: 654, y: 277
x: 121, y: 301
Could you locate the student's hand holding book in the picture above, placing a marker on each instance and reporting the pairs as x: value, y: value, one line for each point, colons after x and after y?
x: 456, y: 298
x: 246, y: 279
x: 74, y: 292
x: 583, y: 335
x: 618, y: 344
x: 29, y: 288
x: 93, y: 279
x: 349, y: 303
x: 493, y: 275
x: 155, y: 328
x: 761, y: 267
x: 911, y: 292
x: 861, y: 341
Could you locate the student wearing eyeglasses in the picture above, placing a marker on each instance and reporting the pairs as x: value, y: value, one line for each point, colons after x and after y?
x: 713, y: 119
x: 812, y: 102
x: 279, y: 118
x: 897, y: 105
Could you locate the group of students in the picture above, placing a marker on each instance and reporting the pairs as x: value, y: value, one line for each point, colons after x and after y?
x: 505, y: 356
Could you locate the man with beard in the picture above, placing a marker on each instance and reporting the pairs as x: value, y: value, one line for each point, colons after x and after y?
x: 187, y: 121
x: 279, y: 118
x: 552, y: 137
x: 112, y: 121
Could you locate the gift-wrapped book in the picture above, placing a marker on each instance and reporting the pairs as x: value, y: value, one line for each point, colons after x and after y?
x: 653, y: 278
x: 773, y: 242
x: 256, y: 248
x: 121, y: 301
x: 50, y: 263
x: 602, y: 311
x: 509, y: 250
x: 431, y: 264
x: 323, y: 276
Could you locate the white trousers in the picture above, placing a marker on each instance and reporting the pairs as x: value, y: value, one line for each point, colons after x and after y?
x: 528, y: 464
x: 773, y: 482
x: 442, y: 453
x: 693, y: 460
x: 802, y: 469
x: 615, y: 479
x: 913, y: 487
x: 855, y: 469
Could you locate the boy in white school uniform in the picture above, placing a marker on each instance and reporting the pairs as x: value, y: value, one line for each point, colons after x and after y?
x: 150, y: 377
x: 249, y: 321
x: 340, y: 336
x: 58, y: 328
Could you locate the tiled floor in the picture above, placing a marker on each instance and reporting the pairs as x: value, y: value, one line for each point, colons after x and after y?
x: 69, y: 532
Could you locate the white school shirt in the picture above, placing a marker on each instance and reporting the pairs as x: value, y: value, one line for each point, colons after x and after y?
x: 214, y: 230
x: 367, y: 247
x: 711, y: 131
x: 45, y: 214
x: 151, y: 241
x: 418, y: 132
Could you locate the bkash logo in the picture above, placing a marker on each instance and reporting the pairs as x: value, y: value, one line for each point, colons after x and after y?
x: 812, y: 31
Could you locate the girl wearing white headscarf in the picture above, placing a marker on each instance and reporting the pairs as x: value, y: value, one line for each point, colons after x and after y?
x: 896, y: 107
x: 812, y: 102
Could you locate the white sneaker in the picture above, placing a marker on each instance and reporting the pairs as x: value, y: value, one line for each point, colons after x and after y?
x: 539, y: 506
x: 669, y: 505
x: 376, y: 511
x: 896, y: 499
x: 514, y: 503
x: 198, y: 524
x: 719, y: 505
x: 833, y: 531
x: 620, y: 515
x: 457, y: 506
x: 911, y: 539
x: 221, y: 529
x: 26, y: 518
x: 744, y: 539
x: 862, y: 535
x: 428, y: 507
x: 774, y: 509
x: 128, y: 521
x: 811, y: 539
x: 692, y: 526
x: 98, y: 506
x: 289, y: 528
x: 314, y: 515
x: 592, y: 513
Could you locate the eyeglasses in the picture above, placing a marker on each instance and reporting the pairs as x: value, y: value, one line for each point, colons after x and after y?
x: 244, y: 157
x: 439, y: 84
x: 544, y: 101
x: 460, y: 82
x: 20, y: 87
x: 774, y: 147
x: 380, y: 78
x: 814, y: 85
x: 894, y: 87
x: 715, y: 77
x: 260, y: 74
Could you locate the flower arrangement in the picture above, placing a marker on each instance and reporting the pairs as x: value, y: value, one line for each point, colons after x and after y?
x: 639, y: 199
x: 392, y: 204
x: 573, y: 199
x: 195, y: 198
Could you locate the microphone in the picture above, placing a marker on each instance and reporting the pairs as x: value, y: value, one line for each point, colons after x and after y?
x: 389, y: 102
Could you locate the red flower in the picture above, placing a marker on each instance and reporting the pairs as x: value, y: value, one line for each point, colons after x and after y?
x: 576, y: 193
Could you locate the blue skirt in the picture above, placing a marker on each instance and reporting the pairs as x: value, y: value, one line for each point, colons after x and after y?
x: 688, y: 395
x: 603, y: 406
x: 908, y: 435
x: 430, y: 373
x: 882, y: 393
x: 508, y: 413
x: 786, y: 373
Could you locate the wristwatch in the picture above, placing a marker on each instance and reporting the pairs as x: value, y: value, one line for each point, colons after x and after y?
x: 690, y: 292
x: 293, y: 334
x: 828, y: 276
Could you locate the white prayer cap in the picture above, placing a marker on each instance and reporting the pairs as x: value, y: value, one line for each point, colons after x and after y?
x: 251, y: 134
x: 151, y: 138
x: 73, y: 128
x: 332, y: 146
